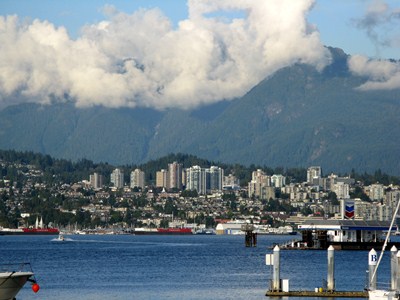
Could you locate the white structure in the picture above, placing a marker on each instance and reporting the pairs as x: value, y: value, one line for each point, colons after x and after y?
x: 260, y: 185
x: 233, y: 227
x: 117, y: 178
x: 278, y: 181
x: 196, y: 179
x: 231, y: 182
x: 137, y: 179
x: 376, y: 192
x: 341, y: 190
x: 313, y: 174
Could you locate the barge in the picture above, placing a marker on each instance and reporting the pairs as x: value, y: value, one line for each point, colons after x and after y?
x: 163, y: 231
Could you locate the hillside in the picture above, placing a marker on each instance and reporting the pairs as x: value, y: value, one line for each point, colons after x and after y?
x: 297, y: 118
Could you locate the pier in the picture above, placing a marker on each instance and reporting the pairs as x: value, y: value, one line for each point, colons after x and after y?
x: 280, y: 287
x: 337, y: 294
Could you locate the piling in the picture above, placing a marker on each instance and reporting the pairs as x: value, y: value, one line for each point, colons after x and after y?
x: 250, y: 235
x: 372, y: 261
x: 276, y: 270
x: 398, y: 270
x: 393, y: 268
x: 331, y: 269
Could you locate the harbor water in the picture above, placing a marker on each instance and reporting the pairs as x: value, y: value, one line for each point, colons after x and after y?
x: 174, y: 267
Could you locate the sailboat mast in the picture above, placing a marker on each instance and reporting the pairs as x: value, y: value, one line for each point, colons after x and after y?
x: 386, y: 240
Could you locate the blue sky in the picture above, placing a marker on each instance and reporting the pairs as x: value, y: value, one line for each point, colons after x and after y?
x: 178, y: 53
x: 333, y: 18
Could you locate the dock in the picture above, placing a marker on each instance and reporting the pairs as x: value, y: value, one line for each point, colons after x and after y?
x: 337, y: 294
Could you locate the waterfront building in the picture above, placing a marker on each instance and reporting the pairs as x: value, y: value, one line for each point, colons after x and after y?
x: 117, y: 178
x: 137, y: 179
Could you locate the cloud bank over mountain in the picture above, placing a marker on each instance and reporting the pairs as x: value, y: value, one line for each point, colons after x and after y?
x: 139, y: 59
x: 222, y: 50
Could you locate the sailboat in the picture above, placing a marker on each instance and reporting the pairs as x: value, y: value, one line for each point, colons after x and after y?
x: 382, y: 294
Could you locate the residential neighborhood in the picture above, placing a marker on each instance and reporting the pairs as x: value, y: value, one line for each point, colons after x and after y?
x: 194, y: 197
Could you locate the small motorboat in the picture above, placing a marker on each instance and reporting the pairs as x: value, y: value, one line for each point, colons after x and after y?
x: 11, y: 281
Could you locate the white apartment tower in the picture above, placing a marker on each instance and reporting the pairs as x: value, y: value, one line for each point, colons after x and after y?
x: 341, y: 190
x: 376, y: 192
x: 196, y: 179
x: 260, y: 185
x: 278, y: 181
x: 137, y: 179
x: 313, y: 173
x: 117, y: 178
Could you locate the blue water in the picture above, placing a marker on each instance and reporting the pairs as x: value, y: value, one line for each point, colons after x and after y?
x: 173, y: 267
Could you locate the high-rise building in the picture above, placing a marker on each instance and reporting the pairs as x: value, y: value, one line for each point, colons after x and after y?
x: 96, y: 181
x: 342, y: 190
x: 175, y: 175
x: 260, y: 185
x: 231, y: 182
x: 313, y: 175
x: 162, y: 178
x: 376, y: 191
x: 137, y: 179
x: 278, y: 181
x: 117, y: 178
x: 214, y: 178
x: 196, y: 179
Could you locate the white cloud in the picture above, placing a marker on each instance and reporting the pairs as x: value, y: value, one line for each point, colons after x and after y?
x: 141, y: 60
x: 382, y: 74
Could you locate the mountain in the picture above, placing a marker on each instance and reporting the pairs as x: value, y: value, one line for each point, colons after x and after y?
x: 297, y: 118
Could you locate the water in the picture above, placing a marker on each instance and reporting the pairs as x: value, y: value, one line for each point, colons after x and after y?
x: 173, y: 267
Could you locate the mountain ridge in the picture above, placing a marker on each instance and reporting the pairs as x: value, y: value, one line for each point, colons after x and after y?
x: 296, y: 118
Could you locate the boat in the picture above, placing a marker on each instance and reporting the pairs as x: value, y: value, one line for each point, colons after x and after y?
x: 39, y: 229
x: 384, y: 294
x: 12, y: 281
x: 163, y: 231
x: 29, y: 231
x: 205, y: 231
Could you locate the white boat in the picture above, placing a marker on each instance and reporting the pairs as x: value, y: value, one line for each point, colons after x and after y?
x: 384, y: 294
x: 11, y: 282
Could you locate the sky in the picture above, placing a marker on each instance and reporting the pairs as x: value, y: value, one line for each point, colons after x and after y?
x: 184, y: 53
